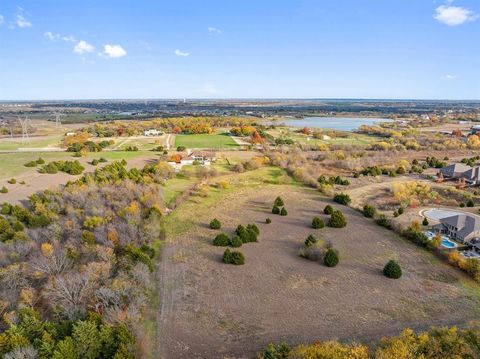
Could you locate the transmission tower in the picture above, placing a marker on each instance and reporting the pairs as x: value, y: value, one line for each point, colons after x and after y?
x: 58, y: 116
x: 24, y: 123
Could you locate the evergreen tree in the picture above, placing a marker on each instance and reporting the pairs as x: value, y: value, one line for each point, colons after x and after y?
x: 331, y: 258
x: 392, y: 270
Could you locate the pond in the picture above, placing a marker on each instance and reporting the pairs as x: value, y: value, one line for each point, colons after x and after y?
x: 334, y: 123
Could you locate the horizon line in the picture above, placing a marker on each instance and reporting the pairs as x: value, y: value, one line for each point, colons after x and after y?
x: 240, y: 99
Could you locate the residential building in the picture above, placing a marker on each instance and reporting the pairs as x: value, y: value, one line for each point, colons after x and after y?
x: 462, y: 227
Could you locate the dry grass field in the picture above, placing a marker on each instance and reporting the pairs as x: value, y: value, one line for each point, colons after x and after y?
x: 208, y: 309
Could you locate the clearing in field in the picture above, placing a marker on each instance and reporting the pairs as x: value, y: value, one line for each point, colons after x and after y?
x: 209, y: 309
x: 217, y: 141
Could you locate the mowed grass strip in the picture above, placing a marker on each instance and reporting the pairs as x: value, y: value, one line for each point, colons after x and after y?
x: 205, y: 141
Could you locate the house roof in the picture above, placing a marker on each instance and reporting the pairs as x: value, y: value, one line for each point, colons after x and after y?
x: 455, y: 168
x: 473, y: 174
x: 466, y: 225
x: 207, y: 154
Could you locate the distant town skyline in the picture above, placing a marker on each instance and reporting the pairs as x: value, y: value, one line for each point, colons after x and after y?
x: 351, y: 49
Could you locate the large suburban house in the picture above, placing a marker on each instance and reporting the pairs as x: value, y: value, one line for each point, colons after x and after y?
x: 203, y: 158
x: 462, y: 227
x: 152, y: 132
x: 471, y: 175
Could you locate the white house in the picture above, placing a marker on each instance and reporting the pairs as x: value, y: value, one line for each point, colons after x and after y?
x: 152, y: 132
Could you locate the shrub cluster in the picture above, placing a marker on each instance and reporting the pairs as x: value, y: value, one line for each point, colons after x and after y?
x: 233, y: 257
x: 337, y: 220
x: 369, y: 211
x: 70, y: 167
x: 39, y: 161
x: 333, y: 180
x: 342, y: 198
x: 436, y: 343
x: 317, y: 223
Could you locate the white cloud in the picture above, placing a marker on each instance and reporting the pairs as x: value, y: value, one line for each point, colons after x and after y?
x: 83, y: 47
x: 69, y: 38
x: 114, y: 51
x: 214, y: 30
x: 51, y: 36
x: 55, y: 37
x: 2, y: 19
x: 454, y: 15
x: 181, y: 53
x: 21, y: 21
x: 449, y: 77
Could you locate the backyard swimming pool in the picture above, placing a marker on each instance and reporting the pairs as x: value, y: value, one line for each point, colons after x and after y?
x: 447, y: 243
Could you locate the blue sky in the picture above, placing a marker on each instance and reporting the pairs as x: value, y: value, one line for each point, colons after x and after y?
x: 55, y: 49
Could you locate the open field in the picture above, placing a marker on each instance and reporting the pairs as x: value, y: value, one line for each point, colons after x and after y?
x: 12, y: 166
x: 33, y: 142
x: 205, y: 141
x: 355, y: 139
x: 213, y: 310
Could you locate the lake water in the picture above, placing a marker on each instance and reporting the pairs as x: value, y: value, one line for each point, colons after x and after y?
x: 334, y: 123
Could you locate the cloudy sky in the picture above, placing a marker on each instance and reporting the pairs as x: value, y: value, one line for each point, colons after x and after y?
x: 53, y: 49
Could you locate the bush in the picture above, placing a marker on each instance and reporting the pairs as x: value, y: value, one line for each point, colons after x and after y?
x: 317, y: 223
x: 283, y: 212
x: 337, y: 220
x: 215, y: 224
x: 425, y: 222
x: 268, y: 221
x: 236, y: 242
x: 470, y: 203
x: 369, y: 211
x: 181, y: 148
x: 6, y: 208
x: 31, y: 164
x: 383, y: 221
x: 94, y: 162
x: 392, y: 270
x: 311, y: 239
x: 331, y: 258
x: 248, y: 234
x: 278, y: 202
x: 275, y: 210
x: 328, y: 209
x: 233, y: 257
x: 314, y: 252
x: 342, y: 198
x: 4, y: 190
x: 254, y: 228
x: 462, y: 205
x: 221, y: 240
x: 400, y: 210
x: 417, y: 237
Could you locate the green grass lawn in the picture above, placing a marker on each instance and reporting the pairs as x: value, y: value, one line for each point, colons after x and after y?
x: 12, y: 164
x: 205, y: 141
x: 13, y: 144
x: 175, y: 187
